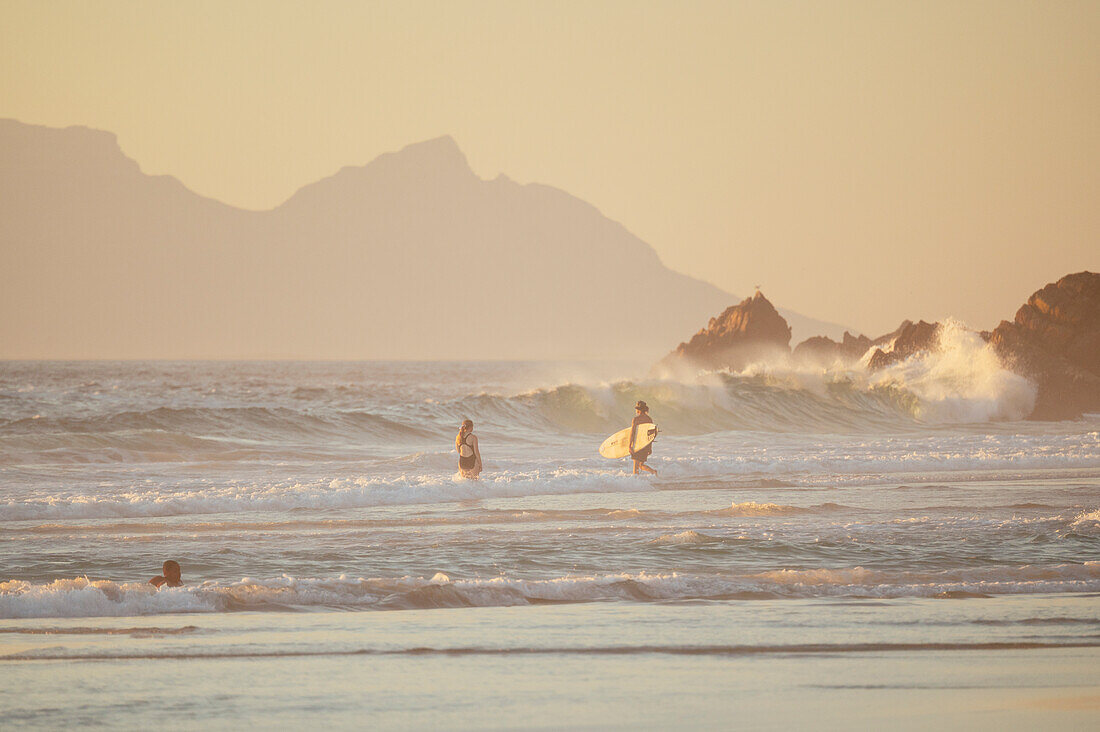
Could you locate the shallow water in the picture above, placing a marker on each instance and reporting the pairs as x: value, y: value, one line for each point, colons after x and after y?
x: 811, y: 540
x: 1000, y: 662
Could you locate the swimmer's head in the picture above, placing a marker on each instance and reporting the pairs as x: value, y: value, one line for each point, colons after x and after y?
x: 171, y: 570
x: 468, y: 425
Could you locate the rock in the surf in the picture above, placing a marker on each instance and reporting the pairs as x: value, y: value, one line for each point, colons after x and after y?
x: 908, y: 340
x: 824, y: 351
x: 1055, y: 341
x: 744, y: 333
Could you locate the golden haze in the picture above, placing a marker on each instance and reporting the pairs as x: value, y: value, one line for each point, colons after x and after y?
x: 864, y: 161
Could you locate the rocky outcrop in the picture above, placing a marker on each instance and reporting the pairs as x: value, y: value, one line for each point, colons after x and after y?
x: 909, y: 340
x: 1055, y: 341
x: 823, y: 350
x: 749, y: 331
x: 889, y: 338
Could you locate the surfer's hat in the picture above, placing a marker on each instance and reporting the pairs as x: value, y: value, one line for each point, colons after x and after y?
x: 642, y: 406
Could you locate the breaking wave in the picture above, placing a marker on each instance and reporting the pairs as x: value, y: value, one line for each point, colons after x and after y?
x: 752, y: 508
x: 1087, y: 523
x: 83, y: 597
x: 963, y: 382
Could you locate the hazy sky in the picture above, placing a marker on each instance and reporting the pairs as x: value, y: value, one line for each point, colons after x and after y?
x: 862, y: 161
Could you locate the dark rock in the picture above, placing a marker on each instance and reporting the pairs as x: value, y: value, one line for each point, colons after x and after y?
x: 743, y: 333
x: 824, y: 350
x: 882, y: 340
x: 1055, y: 342
x: 909, y: 340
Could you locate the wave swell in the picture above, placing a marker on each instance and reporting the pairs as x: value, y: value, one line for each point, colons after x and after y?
x: 963, y: 382
x: 83, y: 597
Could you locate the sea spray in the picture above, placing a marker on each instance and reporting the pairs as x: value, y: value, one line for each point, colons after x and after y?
x: 962, y: 381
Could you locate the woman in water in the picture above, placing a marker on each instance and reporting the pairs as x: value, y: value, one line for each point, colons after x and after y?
x: 469, y: 455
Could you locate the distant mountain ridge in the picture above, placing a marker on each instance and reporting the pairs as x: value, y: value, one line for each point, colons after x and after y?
x: 411, y: 256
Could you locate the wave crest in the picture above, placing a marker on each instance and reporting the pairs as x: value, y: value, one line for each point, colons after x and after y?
x: 684, y: 537
x: 91, y: 598
x: 962, y: 381
x: 752, y: 508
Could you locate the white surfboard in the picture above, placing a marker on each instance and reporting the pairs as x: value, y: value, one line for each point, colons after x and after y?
x: 618, y: 445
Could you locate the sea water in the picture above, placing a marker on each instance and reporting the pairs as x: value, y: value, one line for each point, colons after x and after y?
x: 820, y: 547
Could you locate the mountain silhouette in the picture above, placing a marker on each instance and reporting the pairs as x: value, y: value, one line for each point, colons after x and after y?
x: 411, y: 256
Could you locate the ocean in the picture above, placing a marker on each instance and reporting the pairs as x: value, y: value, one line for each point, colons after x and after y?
x: 820, y: 547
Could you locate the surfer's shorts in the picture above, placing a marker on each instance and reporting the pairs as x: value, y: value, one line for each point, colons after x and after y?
x: 642, y: 454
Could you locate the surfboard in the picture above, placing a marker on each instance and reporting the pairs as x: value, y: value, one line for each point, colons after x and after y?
x: 618, y: 445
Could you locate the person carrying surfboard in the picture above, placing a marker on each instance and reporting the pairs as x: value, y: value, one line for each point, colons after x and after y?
x: 469, y: 454
x: 641, y: 416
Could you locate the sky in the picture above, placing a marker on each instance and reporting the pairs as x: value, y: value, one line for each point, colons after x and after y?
x: 863, y: 162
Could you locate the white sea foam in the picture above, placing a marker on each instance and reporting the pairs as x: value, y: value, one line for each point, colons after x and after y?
x: 684, y: 537
x: 797, y: 461
x: 752, y: 508
x: 847, y: 461
x: 1087, y: 522
x: 337, y: 493
x: 963, y: 381
x: 91, y: 598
